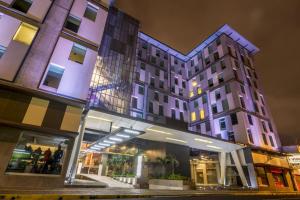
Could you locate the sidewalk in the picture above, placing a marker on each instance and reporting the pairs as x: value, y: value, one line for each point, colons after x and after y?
x: 106, y: 193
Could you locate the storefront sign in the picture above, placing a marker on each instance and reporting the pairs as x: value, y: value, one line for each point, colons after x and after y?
x: 294, y: 161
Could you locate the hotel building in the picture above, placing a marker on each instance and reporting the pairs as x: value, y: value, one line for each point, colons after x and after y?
x: 82, y: 86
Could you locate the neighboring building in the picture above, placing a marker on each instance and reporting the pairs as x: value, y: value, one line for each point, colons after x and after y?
x: 294, y: 161
x: 79, y: 84
x: 48, y: 50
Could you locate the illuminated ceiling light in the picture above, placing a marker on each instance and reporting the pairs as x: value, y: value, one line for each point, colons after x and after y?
x: 158, y: 131
x: 123, y: 135
x: 177, y: 140
x: 109, y: 142
x: 100, y: 146
x: 104, y: 144
x: 116, y: 139
x: 202, y: 140
x: 95, y: 148
x: 194, y: 83
x: 214, y: 147
x: 99, y: 118
x: 132, y: 131
x: 116, y: 127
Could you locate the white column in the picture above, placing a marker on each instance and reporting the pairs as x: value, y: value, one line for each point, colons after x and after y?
x: 239, y: 168
x: 222, y: 160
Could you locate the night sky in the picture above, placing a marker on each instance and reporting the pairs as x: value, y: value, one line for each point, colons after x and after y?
x: 272, y: 25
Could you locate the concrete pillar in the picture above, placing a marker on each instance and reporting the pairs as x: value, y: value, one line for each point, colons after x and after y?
x: 76, y: 150
x: 252, y: 176
x: 222, y: 160
x: 104, y: 164
x: 239, y: 167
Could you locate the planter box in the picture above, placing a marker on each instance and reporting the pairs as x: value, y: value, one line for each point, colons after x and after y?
x: 164, y: 184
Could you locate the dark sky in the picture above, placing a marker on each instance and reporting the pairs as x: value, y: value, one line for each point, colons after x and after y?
x: 272, y: 25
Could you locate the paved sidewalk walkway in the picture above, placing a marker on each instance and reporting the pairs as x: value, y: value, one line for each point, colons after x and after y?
x: 113, y: 193
x: 110, y: 182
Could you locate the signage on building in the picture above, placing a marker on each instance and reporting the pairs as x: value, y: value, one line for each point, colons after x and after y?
x: 294, y: 161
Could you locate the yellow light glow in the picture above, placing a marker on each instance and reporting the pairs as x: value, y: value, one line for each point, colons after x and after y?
x: 191, y: 93
x: 202, y: 114
x: 193, y: 116
x: 202, y: 140
x: 177, y: 140
x: 25, y: 33
x: 194, y: 83
x: 199, y: 90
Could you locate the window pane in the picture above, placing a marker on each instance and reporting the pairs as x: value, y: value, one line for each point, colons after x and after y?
x: 22, y: 5
x: 73, y: 23
x: 2, y: 50
x: 25, y: 34
x: 77, y: 53
x: 91, y: 12
x: 54, y: 76
x: 40, y: 154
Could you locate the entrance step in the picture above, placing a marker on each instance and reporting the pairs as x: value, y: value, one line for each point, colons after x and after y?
x: 110, y: 182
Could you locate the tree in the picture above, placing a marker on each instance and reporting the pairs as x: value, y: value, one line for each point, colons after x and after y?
x: 168, y: 160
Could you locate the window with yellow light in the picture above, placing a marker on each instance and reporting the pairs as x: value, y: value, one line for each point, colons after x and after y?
x: 25, y: 33
x: 199, y: 90
x: 194, y: 83
x: 191, y: 93
x: 193, y: 116
x: 202, y: 114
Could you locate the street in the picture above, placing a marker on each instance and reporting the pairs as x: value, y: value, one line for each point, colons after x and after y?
x: 226, y: 197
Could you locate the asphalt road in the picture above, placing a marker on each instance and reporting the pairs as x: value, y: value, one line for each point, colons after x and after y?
x: 225, y: 197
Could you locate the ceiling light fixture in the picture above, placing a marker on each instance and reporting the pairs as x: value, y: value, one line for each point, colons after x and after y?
x: 202, y: 140
x: 158, y: 131
x: 177, y: 140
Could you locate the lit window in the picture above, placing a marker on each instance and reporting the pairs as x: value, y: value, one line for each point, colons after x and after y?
x: 22, y: 5
x: 25, y: 34
x: 193, y: 116
x: 199, y: 90
x: 73, y: 23
x: 202, y: 114
x: 191, y: 93
x: 194, y: 83
x: 77, y: 53
x: 91, y: 11
x: 222, y: 124
x: 2, y: 51
x: 54, y: 76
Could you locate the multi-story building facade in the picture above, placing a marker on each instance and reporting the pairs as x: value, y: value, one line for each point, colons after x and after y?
x: 78, y: 80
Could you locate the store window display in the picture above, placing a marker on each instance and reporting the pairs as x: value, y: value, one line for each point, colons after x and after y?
x: 38, y: 154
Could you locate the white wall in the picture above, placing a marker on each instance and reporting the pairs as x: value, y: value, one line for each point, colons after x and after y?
x: 77, y: 77
x: 91, y: 30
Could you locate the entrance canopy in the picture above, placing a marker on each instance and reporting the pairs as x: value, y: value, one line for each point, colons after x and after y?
x: 112, y: 122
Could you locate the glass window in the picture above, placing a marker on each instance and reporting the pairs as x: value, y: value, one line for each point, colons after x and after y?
x: 242, y: 102
x: 271, y: 141
x: 77, y: 53
x: 54, y: 76
x: 156, y: 96
x: 150, y: 107
x: 202, y: 114
x: 173, y: 114
x: 214, y: 109
x: 250, y: 136
x: 185, y: 106
x: 166, y: 99
x: 234, y: 119
x: 2, y: 51
x: 38, y: 154
x: 250, y: 119
x: 199, y: 90
x: 134, y: 102
x: 141, y: 90
x: 176, y: 103
x: 265, y: 139
x: 91, y: 11
x: 22, y: 5
x: 261, y: 176
x: 73, y: 23
x: 195, y: 104
x: 227, y: 89
x: 161, y: 110
x: 225, y: 105
x: 25, y: 33
x: 222, y: 124
x: 193, y: 116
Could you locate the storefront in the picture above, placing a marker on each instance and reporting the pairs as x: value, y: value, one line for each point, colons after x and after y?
x: 294, y: 160
x: 272, y: 171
